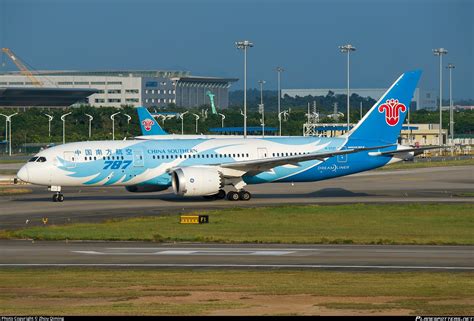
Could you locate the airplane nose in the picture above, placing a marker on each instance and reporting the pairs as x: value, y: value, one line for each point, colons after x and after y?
x: 23, y: 174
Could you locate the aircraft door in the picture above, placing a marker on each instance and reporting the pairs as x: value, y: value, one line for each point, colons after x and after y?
x: 262, y: 153
x: 138, y: 160
x: 70, y: 159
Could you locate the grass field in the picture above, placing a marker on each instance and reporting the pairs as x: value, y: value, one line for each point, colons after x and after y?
x: 5, y: 191
x: 418, y: 164
x: 341, y: 224
x: 8, y: 171
x: 236, y: 292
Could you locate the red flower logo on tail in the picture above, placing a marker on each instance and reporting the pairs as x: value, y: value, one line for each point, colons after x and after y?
x: 392, y: 109
x: 148, y: 123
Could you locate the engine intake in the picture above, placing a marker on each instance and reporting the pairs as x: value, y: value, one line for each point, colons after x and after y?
x: 196, y: 181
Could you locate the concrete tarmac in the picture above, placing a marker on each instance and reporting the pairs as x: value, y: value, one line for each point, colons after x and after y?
x: 91, y: 204
x: 150, y: 255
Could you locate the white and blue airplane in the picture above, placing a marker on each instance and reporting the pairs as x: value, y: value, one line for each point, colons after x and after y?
x: 205, y: 165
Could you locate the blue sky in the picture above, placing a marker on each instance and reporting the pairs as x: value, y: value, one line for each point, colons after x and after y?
x: 301, y: 35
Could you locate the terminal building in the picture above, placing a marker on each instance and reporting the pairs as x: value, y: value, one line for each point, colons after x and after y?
x: 153, y: 88
x: 422, y: 99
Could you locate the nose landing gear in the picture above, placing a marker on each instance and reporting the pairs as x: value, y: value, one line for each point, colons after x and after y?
x: 58, y: 197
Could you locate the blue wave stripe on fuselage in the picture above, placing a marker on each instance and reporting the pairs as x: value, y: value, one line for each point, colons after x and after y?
x: 306, y: 171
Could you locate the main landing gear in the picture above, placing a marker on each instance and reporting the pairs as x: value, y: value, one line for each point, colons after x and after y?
x: 242, y: 195
x: 58, y: 197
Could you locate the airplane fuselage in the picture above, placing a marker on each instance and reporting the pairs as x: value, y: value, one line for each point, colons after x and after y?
x: 148, y: 162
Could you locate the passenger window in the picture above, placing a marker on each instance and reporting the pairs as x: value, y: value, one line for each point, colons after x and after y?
x: 33, y: 159
x: 41, y: 159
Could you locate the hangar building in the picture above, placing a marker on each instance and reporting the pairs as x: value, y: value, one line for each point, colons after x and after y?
x: 150, y: 88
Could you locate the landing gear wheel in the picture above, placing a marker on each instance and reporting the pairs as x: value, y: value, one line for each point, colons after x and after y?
x: 58, y: 197
x: 244, y: 196
x: 233, y: 196
x: 221, y: 194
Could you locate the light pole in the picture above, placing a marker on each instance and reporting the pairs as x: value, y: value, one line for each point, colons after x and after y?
x: 244, y: 45
x: 129, y: 118
x: 50, y: 119
x: 182, y: 121
x: 113, y: 124
x: 261, y: 107
x: 284, y: 113
x: 90, y: 123
x: 451, y: 113
x: 222, y: 119
x: 279, y: 71
x: 63, y: 119
x: 347, y: 49
x: 440, y: 52
x: 197, y: 118
x: 8, y: 131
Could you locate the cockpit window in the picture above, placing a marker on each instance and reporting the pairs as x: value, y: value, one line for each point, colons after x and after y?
x: 33, y: 159
x: 41, y: 159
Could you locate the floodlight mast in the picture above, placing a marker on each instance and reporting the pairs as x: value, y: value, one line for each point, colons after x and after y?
x: 440, y: 52
x: 244, y: 45
x: 262, y: 107
x: 451, y: 113
x: 279, y: 70
x: 347, y: 49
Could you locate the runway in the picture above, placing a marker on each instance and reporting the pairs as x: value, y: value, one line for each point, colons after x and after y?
x: 149, y: 255
x: 438, y: 184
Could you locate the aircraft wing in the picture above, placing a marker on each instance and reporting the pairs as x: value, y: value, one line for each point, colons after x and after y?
x: 256, y: 166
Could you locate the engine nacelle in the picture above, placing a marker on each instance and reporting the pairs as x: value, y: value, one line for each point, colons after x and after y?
x: 196, y: 181
x: 145, y: 188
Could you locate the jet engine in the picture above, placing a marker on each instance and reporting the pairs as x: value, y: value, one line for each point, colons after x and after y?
x: 196, y: 181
